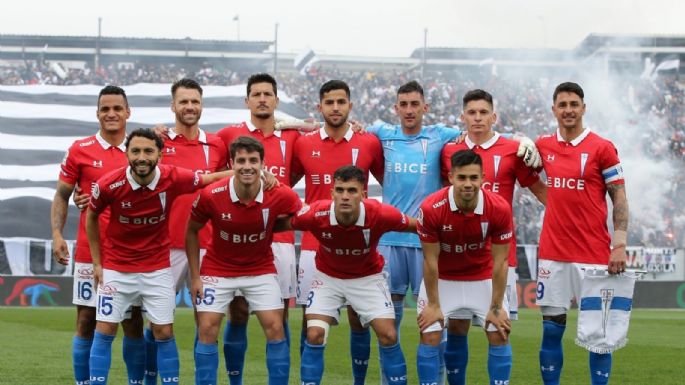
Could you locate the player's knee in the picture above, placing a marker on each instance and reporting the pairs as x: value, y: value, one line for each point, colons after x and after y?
x: 85, y: 322
x: 133, y: 327
x: 274, y: 330
x: 317, y: 332
x: 397, y: 297
x: 162, y: 332
x: 387, y: 336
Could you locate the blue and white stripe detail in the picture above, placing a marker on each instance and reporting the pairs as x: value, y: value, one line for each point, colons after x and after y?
x: 613, y: 173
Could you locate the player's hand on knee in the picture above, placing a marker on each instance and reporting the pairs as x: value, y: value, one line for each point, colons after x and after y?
x: 80, y: 200
x: 498, y: 318
x: 430, y: 315
x: 60, y: 251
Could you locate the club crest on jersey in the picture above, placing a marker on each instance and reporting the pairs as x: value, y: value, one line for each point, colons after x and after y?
x: 484, y: 229
x: 97, y: 163
x: 95, y: 190
x: 283, y: 152
x: 125, y: 204
x: 162, y: 200
x: 424, y: 148
x: 367, y: 236
x: 355, y: 155
x: 496, y: 159
x: 265, y: 217
x: 583, y: 161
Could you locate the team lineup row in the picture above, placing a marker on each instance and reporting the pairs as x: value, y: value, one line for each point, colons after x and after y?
x: 143, y: 232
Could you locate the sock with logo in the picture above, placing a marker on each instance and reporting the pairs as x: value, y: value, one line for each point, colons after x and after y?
x: 551, y: 352
x: 100, y: 358
x: 360, y: 351
x: 206, y: 363
x: 134, y: 357
x: 600, y: 368
x: 80, y: 353
x: 427, y: 363
x: 499, y: 364
x: 394, y: 365
x: 278, y: 362
x: 235, y: 346
x: 456, y: 358
x: 150, y: 358
x: 167, y: 361
x: 311, y: 369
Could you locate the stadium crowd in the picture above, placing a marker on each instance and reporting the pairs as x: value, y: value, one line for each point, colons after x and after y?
x: 656, y: 109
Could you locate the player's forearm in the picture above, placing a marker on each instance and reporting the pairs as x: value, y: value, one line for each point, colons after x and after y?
x: 215, y: 176
x: 411, y: 227
x: 193, y: 250
x: 500, y: 269
x: 59, y: 209
x: 539, y: 189
x: 93, y: 232
x: 430, y: 272
x: 619, y: 200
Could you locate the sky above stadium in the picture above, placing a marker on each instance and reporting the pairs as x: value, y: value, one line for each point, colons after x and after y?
x: 353, y: 27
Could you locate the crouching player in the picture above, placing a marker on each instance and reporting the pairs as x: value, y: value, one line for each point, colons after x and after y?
x: 465, y: 233
x: 348, y: 268
x: 243, y: 215
x: 131, y: 265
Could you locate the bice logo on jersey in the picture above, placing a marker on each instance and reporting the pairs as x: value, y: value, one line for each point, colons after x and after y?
x: 322, y: 179
x: 151, y: 220
x: 242, y: 238
x: 566, y: 183
x: 461, y: 248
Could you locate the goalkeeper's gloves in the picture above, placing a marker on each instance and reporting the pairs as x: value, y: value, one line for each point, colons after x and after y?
x: 528, y: 152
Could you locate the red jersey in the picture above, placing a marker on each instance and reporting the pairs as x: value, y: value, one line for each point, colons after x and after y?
x: 204, y: 155
x: 502, y: 168
x: 241, y: 241
x: 349, y: 252
x: 317, y: 157
x: 278, y: 156
x: 575, y: 224
x: 84, y: 163
x: 464, y: 239
x: 137, y: 239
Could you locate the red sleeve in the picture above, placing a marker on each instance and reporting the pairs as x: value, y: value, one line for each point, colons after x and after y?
x: 225, y: 135
x: 610, y: 164
x: 445, y: 162
x: 425, y: 224
x: 293, y: 204
x: 377, y: 166
x: 69, y: 170
x: 201, y: 211
x: 392, y: 219
x: 99, y: 197
x: 304, y: 219
x: 296, y: 167
x: 501, y: 222
x: 222, y: 152
x: 185, y: 181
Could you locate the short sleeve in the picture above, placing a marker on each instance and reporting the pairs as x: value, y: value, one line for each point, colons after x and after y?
x: 425, y: 224
x: 201, y: 210
x: 69, y: 170
x: 392, y: 219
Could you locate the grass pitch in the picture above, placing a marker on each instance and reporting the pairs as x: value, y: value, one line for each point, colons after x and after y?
x: 35, y: 349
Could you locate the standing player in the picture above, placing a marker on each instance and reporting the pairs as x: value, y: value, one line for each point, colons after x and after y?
x: 316, y: 157
x: 262, y: 101
x: 581, y: 167
x: 502, y: 168
x: 349, y: 268
x: 87, y: 160
x: 243, y: 215
x: 465, y: 233
x: 132, y: 262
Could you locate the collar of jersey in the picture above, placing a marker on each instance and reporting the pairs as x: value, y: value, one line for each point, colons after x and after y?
x: 106, y: 146
x: 234, y: 194
x: 347, y: 137
x: 202, y: 137
x: 136, y: 186
x: 251, y: 127
x: 360, y: 220
x: 489, y: 143
x: 453, y: 203
x: 577, y: 140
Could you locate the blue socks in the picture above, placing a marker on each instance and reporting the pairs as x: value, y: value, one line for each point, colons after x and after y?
x: 167, y: 361
x: 551, y: 352
x: 100, y: 358
x: 456, y: 358
x: 360, y: 350
x: 134, y: 357
x: 303, y: 339
x: 393, y: 364
x: 80, y: 353
x: 499, y: 364
x: 427, y: 363
x: 600, y: 368
x: 235, y: 346
x: 150, y: 358
x: 311, y: 369
x: 206, y: 363
x: 278, y: 362
x: 399, y: 313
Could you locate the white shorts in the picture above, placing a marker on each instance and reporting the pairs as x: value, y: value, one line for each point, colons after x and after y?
x: 120, y: 291
x: 179, y: 267
x: 305, y: 274
x: 286, y: 267
x: 559, y: 282
x: 512, y: 294
x: 261, y: 292
x: 369, y: 296
x: 465, y: 300
x: 83, y: 293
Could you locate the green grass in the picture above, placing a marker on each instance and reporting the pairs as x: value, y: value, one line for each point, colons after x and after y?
x: 35, y: 348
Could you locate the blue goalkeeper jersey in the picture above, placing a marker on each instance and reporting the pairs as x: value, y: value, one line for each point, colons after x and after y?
x: 412, y: 170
